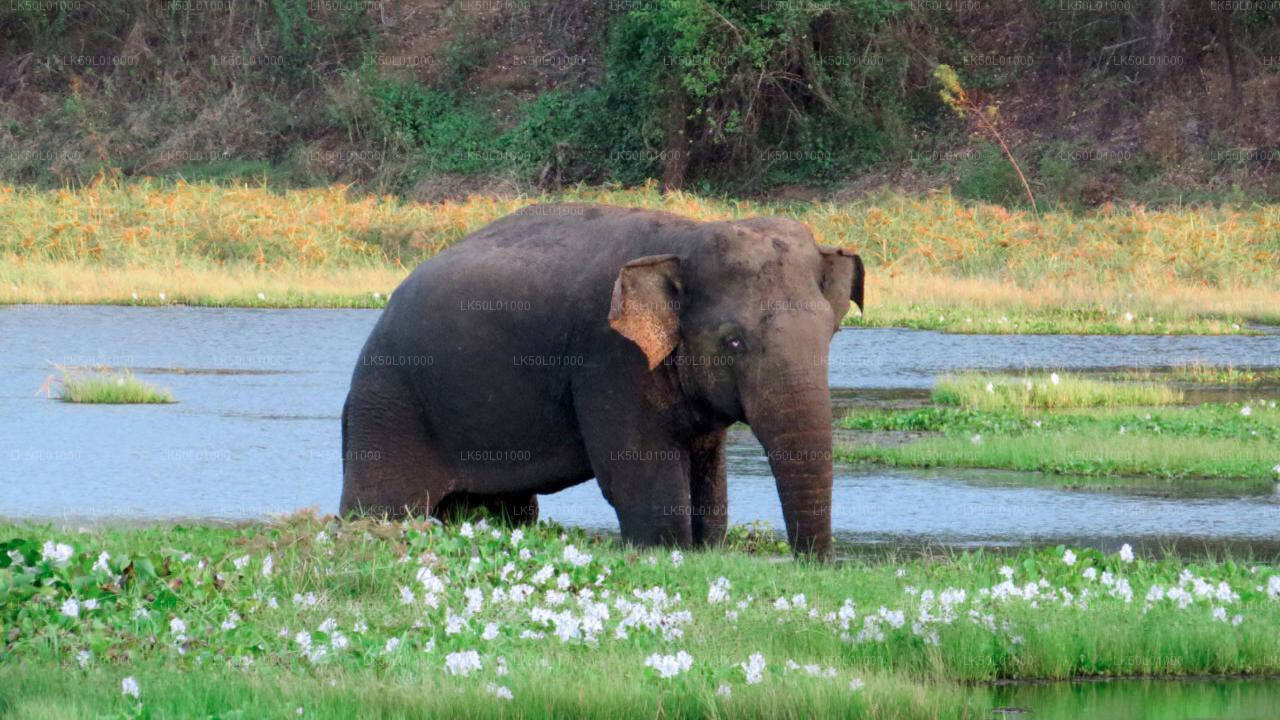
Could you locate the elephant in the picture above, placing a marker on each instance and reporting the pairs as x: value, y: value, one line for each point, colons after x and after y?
x: 566, y: 342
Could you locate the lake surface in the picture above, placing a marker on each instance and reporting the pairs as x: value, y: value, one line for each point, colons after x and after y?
x: 256, y: 430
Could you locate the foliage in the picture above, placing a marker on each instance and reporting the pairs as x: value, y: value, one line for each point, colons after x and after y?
x: 399, y: 618
x: 1053, y: 391
x: 108, y: 387
x: 1225, y: 441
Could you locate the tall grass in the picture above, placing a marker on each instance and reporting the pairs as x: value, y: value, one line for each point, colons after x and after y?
x: 109, y: 388
x: 1046, y: 391
x: 1126, y: 263
x: 1090, y: 454
x: 228, y: 621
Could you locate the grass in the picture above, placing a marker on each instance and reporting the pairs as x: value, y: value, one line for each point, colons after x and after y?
x: 1043, y: 392
x: 1203, y: 374
x: 1082, y: 434
x: 109, y: 388
x: 934, y: 262
x: 341, y: 619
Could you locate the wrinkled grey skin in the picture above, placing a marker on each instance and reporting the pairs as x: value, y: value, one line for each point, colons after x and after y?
x: 567, y: 342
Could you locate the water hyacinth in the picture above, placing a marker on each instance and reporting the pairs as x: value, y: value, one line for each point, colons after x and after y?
x: 462, y: 663
x: 580, y: 597
x: 56, y: 554
x: 669, y: 666
x: 753, y: 668
x: 129, y: 688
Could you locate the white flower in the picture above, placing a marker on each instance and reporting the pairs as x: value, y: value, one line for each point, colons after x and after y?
x: 501, y: 668
x: 1126, y: 553
x: 991, y: 388
x: 240, y: 562
x: 1246, y: 411
x: 262, y: 296
x: 669, y: 666
x: 83, y: 658
x: 501, y: 691
x: 516, y: 536
x: 525, y: 554
x: 575, y: 557
x: 1036, y: 423
x: 267, y: 565
x: 1128, y: 317
x: 856, y: 684
x: 129, y: 686
x: 1220, y: 614
x: 232, y: 621
x: 490, y: 631
x: 1276, y: 469
x: 1007, y: 572
x: 467, y: 530
x: 753, y: 668
x: 162, y: 296
x: 462, y: 663
x: 58, y: 555
x: 1053, y: 378
x: 391, y: 646
x: 724, y: 690
x: 177, y: 626
x: 406, y: 595
x: 101, y: 565
x: 976, y: 439
x: 71, y: 608
x: 1090, y: 573
x: 677, y: 558
x: 1068, y: 558
x: 719, y: 591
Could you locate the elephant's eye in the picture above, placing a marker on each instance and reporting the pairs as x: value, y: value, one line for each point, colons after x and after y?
x: 734, y: 343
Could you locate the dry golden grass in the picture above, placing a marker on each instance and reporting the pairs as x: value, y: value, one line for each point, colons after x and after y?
x: 927, y: 257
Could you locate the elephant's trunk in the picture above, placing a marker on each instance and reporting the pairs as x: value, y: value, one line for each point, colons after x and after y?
x: 790, y: 413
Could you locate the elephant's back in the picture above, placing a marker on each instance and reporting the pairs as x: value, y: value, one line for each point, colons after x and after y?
x: 551, y: 261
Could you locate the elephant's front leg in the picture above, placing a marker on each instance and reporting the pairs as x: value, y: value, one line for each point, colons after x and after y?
x: 648, y: 486
x: 709, y: 489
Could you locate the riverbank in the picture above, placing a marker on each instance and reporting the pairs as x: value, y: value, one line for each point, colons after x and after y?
x: 395, y: 619
x: 934, y: 261
x: 1090, y: 434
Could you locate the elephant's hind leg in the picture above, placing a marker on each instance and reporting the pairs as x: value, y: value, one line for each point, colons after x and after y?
x: 388, y: 465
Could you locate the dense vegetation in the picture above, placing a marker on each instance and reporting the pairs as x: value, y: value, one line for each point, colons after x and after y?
x: 1155, y: 100
x: 936, y: 262
x: 377, y: 619
x: 1082, y: 432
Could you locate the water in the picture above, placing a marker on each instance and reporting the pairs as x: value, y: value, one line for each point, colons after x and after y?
x: 1148, y: 699
x: 260, y: 435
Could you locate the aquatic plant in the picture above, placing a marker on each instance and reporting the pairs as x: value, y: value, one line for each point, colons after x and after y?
x: 1046, y: 391
x: 106, y: 386
x: 377, y: 615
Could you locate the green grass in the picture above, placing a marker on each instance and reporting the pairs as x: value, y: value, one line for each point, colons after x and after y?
x: 209, y: 627
x: 1202, y: 374
x: 1046, y: 391
x: 1117, y: 447
x: 109, y: 388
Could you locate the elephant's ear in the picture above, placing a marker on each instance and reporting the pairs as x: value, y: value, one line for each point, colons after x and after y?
x: 842, y: 278
x: 646, y: 305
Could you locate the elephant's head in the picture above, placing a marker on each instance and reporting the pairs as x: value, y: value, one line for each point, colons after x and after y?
x: 746, y: 319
